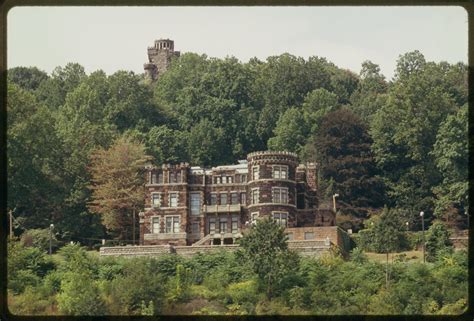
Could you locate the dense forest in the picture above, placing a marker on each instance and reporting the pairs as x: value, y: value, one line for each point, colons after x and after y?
x: 390, y: 148
x: 400, y: 143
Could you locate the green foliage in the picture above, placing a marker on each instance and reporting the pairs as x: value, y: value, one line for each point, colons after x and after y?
x: 437, y: 241
x: 79, y: 295
x: 290, y: 132
x: 25, y: 266
x: 342, y: 148
x: 266, y: 250
x: 29, y: 78
x: 178, y: 287
x: 243, y: 292
x: 141, y: 281
x: 39, y: 238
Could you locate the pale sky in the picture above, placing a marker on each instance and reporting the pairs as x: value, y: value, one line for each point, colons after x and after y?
x: 116, y: 38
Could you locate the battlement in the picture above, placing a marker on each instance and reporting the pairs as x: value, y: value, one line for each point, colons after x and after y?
x: 159, y: 58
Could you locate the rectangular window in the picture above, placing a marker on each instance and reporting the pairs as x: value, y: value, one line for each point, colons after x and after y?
x: 229, y: 179
x: 280, y: 195
x: 255, y: 172
x: 178, y: 177
x: 223, y: 199
x: 243, y: 198
x: 281, y: 218
x: 155, y: 200
x: 224, y: 180
x: 173, y: 200
x: 280, y: 172
x: 218, y: 180
x: 235, y: 224
x: 243, y: 178
x: 172, y: 224
x: 213, y: 199
x: 308, y: 235
x: 195, y: 203
x: 234, y: 198
x: 172, y: 177
x: 195, y: 228
x: 160, y: 178
x: 255, y: 196
x: 153, y: 178
x: 155, y: 225
x: 254, y: 217
x: 290, y: 236
x: 212, y: 225
x: 223, y: 225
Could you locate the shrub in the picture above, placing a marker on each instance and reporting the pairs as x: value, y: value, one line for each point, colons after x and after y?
x: 243, y: 292
x: 30, y: 302
x: 80, y: 295
x: 39, y: 238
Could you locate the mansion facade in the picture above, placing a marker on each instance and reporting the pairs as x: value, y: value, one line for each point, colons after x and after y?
x: 188, y: 205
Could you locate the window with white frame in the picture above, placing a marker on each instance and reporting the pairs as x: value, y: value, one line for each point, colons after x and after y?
x: 309, y: 235
x: 155, y: 199
x: 280, y: 195
x: 243, y: 198
x: 223, y: 225
x: 280, y: 171
x: 178, y: 177
x: 224, y: 179
x: 229, y: 179
x: 218, y: 180
x: 255, y: 172
x: 254, y: 218
x: 155, y: 225
x: 223, y: 198
x: 195, y: 203
x: 153, y: 178
x: 172, y: 224
x: 255, y: 196
x: 160, y: 178
x: 173, y: 200
x: 234, y: 198
x: 213, y: 199
x: 290, y: 236
x: 281, y: 218
x: 235, y: 224
x: 212, y: 225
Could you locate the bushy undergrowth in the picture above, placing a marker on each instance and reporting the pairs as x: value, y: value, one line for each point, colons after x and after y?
x: 77, y: 283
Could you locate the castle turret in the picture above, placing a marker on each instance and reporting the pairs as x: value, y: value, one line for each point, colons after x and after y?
x: 159, y: 58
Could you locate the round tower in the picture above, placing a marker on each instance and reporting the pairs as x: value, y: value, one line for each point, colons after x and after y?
x: 272, y: 186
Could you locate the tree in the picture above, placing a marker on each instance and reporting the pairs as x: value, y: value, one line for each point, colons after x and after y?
x: 404, y: 132
x: 207, y: 144
x: 316, y: 105
x: 387, y: 234
x: 451, y: 157
x: 117, y: 184
x: 343, y: 149
x: 28, y: 78
x: 437, y: 241
x: 290, y: 132
x: 368, y: 97
x: 266, y: 250
x: 80, y: 295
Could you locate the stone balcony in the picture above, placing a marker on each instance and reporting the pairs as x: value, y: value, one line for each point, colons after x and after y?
x: 221, y: 208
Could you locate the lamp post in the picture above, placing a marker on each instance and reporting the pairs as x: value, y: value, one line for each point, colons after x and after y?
x: 51, y: 226
x: 334, y: 201
x: 422, y: 214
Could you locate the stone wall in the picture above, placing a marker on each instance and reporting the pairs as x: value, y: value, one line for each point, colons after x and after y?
x: 304, y: 247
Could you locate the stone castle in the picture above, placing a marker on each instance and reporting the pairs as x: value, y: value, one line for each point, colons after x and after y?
x: 187, y: 205
x: 189, y: 209
x: 159, y: 58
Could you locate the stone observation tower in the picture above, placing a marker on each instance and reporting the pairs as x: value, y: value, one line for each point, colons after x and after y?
x: 159, y: 58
